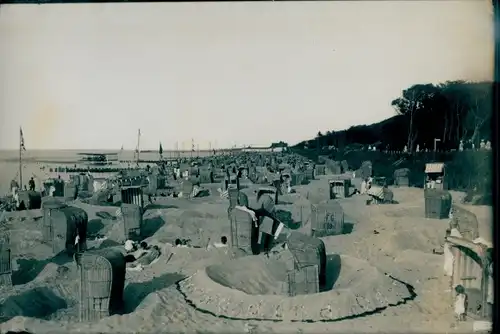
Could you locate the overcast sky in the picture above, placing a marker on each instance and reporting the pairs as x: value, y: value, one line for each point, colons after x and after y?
x: 87, y: 76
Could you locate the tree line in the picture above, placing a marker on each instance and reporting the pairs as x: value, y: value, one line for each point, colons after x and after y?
x: 452, y: 112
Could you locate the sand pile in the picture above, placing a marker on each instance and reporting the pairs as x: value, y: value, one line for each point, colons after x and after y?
x: 39, y: 302
x: 403, y: 267
x: 359, y: 288
x: 196, y: 225
x: 266, y: 277
x: 52, y: 291
x: 162, y: 311
x: 424, y: 241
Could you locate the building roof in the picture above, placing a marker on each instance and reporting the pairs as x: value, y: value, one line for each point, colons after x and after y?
x: 437, y: 167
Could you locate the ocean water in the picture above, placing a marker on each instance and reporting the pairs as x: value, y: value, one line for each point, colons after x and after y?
x: 72, y: 156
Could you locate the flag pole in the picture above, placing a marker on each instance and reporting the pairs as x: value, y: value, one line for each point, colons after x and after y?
x: 192, y: 147
x: 21, y: 158
x: 138, y: 146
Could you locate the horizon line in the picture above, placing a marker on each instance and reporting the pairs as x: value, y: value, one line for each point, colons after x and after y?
x: 142, y: 150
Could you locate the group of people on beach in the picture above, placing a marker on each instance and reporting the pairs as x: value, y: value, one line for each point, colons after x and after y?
x: 140, y: 254
x: 14, y: 186
x: 15, y: 189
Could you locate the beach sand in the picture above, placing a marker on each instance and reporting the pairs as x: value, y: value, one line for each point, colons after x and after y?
x: 395, y: 239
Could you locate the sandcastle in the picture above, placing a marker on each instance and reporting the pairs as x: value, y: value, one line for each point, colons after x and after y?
x: 255, y: 287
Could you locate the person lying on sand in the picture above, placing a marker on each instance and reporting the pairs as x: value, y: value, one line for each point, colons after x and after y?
x: 221, y: 244
x: 150, y: 257
x: 182, y: 243
x: 130, y: 246
x: 144, y: 256
x: 135, y: 250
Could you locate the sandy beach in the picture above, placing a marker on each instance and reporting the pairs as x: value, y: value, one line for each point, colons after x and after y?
x: 393, y: 239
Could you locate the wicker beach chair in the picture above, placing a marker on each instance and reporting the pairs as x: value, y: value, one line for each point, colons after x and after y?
x: 327, y: 218
x: 102, y: 281
x: 244, y: 233
x: 132, y: 221
x: 308, y: 251
x: 5, y: 261
x: 61, y: 225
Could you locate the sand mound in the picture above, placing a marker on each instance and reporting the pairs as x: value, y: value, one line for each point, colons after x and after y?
x: 403, y: 267
x: 30, y: 325
x: 406, y: 240
x: 359, y: 288
x: 39, y: 302
x: 50, y: 271
x: 413, y: 211
x: 265, y: 279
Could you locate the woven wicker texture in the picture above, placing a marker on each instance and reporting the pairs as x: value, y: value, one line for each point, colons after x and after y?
x: 303, y: 281
x: 310, y: 173
x: 233, y: 196
x: 62, y: 225
x: 194, y: 171
x: 327, y: 218
x: 308, y: 251
x: 320, y: 169
x: 248, y: 197
x: 339, y: 188
x: 102, y: 281
x: 244, y: 233
x: 132, y: 195
x: 132, y: 221
x: 266, y: 202
x: 5, y: 261
x: 296, y: 214
x: 437, y: 203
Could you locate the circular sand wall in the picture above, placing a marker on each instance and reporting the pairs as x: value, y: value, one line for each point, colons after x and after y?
x: 251, y: 288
